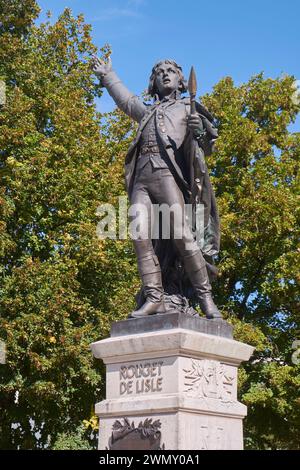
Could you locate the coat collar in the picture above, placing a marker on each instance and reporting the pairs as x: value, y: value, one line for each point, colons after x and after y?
x: 176, y: 95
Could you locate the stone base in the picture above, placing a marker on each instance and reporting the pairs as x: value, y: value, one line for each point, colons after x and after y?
x: 171, y: 388
x: 183, y: 431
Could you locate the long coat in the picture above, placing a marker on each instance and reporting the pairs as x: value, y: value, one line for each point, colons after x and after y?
x: 175, y: 137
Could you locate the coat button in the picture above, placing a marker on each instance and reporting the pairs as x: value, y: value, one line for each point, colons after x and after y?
x: 163, y: 130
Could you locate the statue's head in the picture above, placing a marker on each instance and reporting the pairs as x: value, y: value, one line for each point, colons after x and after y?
x: 166, y: 77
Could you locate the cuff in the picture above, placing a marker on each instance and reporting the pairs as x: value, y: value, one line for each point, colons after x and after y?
x: 108, y: 78
x: 199, y: 134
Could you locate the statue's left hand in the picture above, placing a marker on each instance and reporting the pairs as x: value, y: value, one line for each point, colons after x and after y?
x: 195, y: 124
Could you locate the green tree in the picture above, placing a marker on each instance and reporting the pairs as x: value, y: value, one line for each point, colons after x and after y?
x: 58, y: 282
x: 60, y: 286
x: 256, y: 175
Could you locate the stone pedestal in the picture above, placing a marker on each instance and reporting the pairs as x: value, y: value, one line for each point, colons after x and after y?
x: 171, y: 383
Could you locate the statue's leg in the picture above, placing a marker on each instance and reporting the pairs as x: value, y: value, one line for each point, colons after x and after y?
x: 193, y: 260
x: 148, y: 264
x: 195, y: 267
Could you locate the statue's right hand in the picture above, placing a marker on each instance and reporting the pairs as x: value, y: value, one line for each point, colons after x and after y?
x: 99, y: 67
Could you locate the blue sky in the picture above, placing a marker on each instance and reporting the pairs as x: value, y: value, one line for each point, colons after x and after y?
x: 219, y: 37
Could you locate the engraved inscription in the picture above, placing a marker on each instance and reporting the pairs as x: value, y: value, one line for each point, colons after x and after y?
x: 209, y: 379
x: 141, y: 378
x: 212, y: 438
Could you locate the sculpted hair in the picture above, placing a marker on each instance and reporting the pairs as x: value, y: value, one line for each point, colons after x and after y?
x: 182, y: 85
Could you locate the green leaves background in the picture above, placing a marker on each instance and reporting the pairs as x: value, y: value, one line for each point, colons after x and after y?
x: 61, y: 287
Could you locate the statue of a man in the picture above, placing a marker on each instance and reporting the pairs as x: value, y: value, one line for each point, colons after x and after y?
x: 157, y: 171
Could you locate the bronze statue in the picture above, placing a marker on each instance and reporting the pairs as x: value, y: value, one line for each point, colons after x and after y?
x: 165, y: 165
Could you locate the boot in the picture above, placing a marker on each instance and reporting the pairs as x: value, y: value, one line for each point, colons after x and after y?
x: 195, y: 267
x: 153, y: 290
x: 152, y: 285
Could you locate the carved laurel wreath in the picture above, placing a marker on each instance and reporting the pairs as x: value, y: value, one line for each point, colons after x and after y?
x: 146, y: 428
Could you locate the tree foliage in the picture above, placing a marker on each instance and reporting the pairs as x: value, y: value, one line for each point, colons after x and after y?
x: 256, y: 175
x: 57, y: 280
x: 60, y: 286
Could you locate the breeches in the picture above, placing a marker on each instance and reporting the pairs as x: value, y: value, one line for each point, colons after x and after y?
x: 156, y: 192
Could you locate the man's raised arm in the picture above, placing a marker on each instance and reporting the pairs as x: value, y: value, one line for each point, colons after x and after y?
x: 124, y: 99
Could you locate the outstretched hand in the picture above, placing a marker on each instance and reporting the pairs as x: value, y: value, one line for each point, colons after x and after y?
x: 99, y: 67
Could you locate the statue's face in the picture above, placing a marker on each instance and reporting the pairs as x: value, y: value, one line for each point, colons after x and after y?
x: 166, y: 80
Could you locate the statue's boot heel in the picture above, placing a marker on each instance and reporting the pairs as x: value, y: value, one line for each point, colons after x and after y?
x: 153, y: 290
x: 208, y: 306
x: 149, y: 308
x: 195, y: 267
